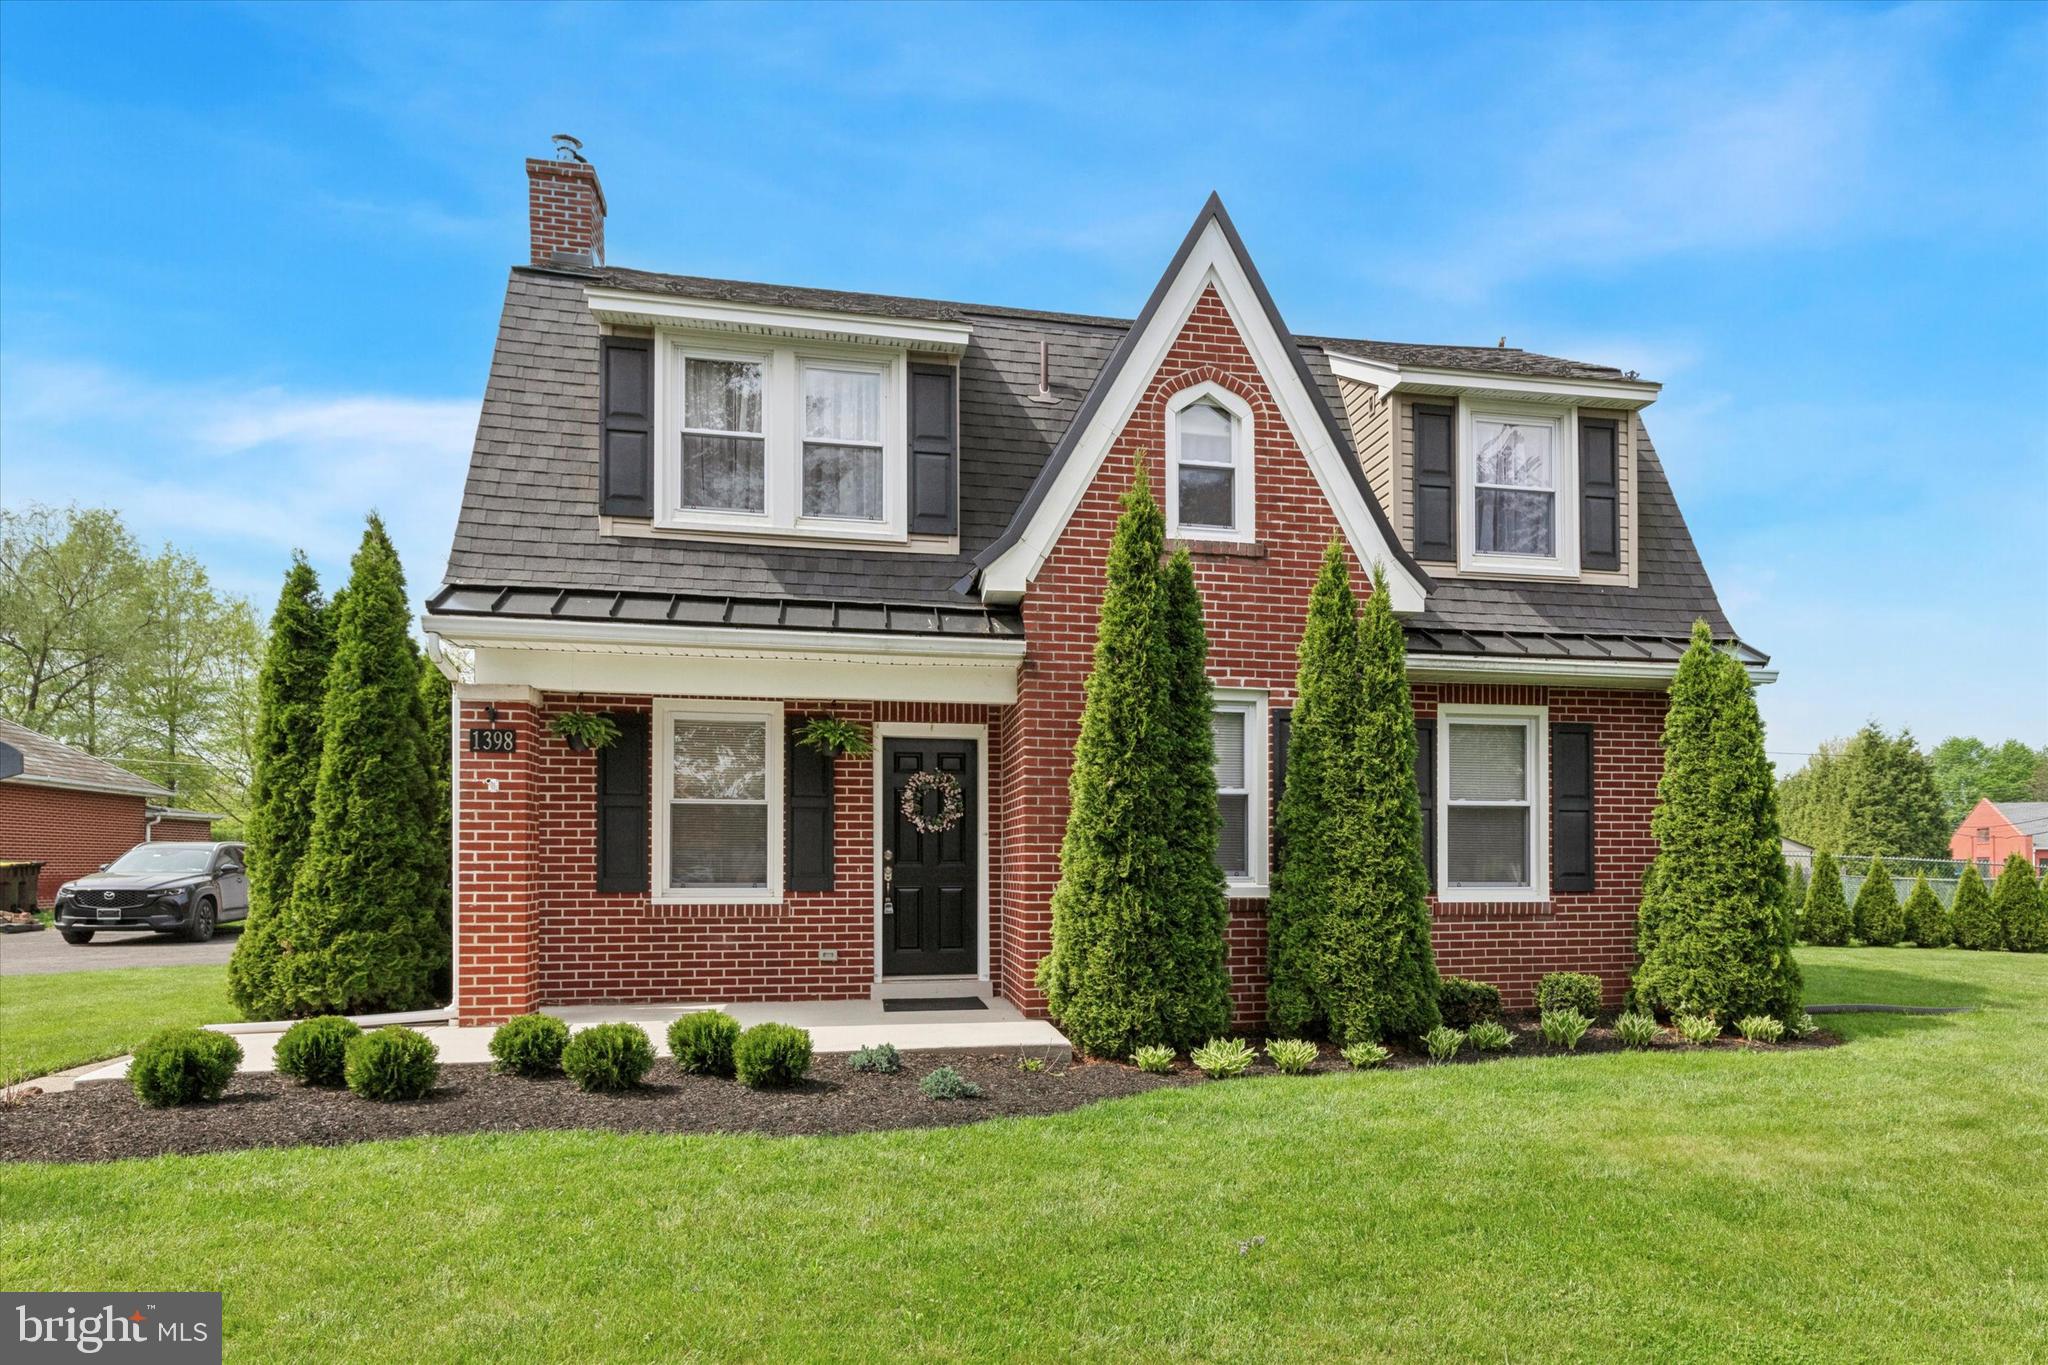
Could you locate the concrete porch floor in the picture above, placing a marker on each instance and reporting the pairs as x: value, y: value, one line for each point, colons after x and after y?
x: 837, y: 1026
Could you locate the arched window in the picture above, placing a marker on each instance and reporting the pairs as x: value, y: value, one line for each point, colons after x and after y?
x: 1209, y: 452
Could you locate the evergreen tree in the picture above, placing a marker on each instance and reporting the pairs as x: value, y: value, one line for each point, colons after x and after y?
x: 1926, y: 921
x: 436, y: 732
x: 1129, y: 967
x: 1879, y: 921
x: 1971, y: 917
x: 2016, y: 904
x: 360, y: 927
x: 1826, y: 921
x: 1713, y: 930
x: 1795, y: 892
x: 287, y: 766
x: 1873, y: 795
x: 1348, y: 919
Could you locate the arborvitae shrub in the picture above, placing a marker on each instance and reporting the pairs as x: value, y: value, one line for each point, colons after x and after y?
x: 182, y: 1066
x: 1971, y: 917
x: 607, y: 1058
x: 1569, y: 991
x: 1826, y: 921
x: 1879, y: 921
x: 2016, y: 904
x: 530, y: 1045
x: 1926, y: 921
x: 772, y: 1055
x: 1463, y: 1002
x: 392, y: 1063
x: 315, y: 1051
x: 702, y: 1042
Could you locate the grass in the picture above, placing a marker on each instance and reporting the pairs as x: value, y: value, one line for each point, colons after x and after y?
x: 1887, y: 1200
x: 61, y: 1019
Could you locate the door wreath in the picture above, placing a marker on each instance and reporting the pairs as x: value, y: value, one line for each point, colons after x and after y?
x: 952, y: 806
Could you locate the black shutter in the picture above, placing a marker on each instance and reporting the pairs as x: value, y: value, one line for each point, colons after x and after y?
x: 934, y: 450
x: 807, y: 828
x: 1425, y: 787
x: 622, y: 790
x: 1599, y: 494
x: 1571, y: 807
x: 1283, y: 734
x: 625, y: 455
x: 1436, y: 483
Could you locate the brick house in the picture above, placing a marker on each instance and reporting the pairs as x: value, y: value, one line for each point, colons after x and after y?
x: 1995, y: 830
x: 71, y: 811
x: 713, y: 510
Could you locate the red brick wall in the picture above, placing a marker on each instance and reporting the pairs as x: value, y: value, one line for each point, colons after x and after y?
x: 181, y: 832
x: 527, y: 938
x: 565, y: 209
x: 70, y: 832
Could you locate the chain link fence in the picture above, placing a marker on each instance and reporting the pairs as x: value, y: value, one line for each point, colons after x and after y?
x: 1942, y: 874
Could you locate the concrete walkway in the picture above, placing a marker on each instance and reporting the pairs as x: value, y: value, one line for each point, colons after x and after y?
x: 836, y: 1026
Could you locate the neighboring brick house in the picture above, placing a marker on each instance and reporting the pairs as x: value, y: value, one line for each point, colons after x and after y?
x: 714, y: 509
x: 1995, y: 830
x: 71, y: 811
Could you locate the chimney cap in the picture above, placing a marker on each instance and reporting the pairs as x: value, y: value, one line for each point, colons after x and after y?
x: 568, y: 148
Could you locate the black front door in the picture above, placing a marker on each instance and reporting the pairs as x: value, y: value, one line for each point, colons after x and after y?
x: 929, y: 912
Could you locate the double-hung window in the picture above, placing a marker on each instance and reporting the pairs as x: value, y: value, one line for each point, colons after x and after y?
x: 1237, y: 733
x: 1492, y: 785
x: 1209, y: 479
x: 842, y: 441
x: 1519, y: 474
x: 720, y: 788
x: 724, y: 449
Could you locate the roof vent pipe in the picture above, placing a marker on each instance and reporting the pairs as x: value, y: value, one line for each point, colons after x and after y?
x: 1045, y: 393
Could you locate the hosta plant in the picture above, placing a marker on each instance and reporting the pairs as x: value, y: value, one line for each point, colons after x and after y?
x: 1760, y: 1028
x: 1636, y: 1029
x: 1222, y: 1057
x: 1564, y: 1028
x: 1490, y: 1035
x: 1154, y: 1058
x: 1802, y: 1027
x: 1443, y: 1043
x: 1292, y: 1056
x: 1365, y: 1056
x: 1698, y: 1029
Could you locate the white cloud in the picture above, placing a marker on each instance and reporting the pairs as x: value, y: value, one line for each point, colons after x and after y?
x: 239, y: 475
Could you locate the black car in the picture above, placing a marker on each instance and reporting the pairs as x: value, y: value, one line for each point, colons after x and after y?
x: 171, y: 888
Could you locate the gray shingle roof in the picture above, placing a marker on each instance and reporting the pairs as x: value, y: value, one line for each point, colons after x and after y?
x: 53, y: 763
x: 2028, y: 817
x: 1481, y: 359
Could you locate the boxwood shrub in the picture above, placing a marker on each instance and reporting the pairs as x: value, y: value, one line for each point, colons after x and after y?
x: 183, y: 1065
x: 529, y: 1045
x: 315, y: 1051
x: 772, y: 1055
x: 1561, y: 991
x: 392, y: 1063
x: 1464, y: 1002
x: 606, y: 1058
x: 702, y: 1042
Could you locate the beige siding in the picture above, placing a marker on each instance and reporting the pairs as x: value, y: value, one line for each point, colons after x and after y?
x: 1372, y: 435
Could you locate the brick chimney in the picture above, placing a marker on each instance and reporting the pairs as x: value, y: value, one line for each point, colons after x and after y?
x: 566, y: 206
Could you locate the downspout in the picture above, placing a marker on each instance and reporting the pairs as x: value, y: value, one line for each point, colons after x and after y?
x: 453, y: 672
x: 149, y: 822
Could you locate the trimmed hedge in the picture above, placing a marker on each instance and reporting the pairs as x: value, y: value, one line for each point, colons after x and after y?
x: 530, y: 1045
x: 392, y: 1063
x: 1568, y: 991
x: 772, y: 1055
x: 1463, y: 1002
x: 183, y: 1065
x: 702, y: 1043
x: 315, y: 1051
x: 607, y: 1058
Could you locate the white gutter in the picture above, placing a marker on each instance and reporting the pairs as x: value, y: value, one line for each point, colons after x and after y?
x: 535, y: 633
x: 1567, y: 672
x: 73, y: 785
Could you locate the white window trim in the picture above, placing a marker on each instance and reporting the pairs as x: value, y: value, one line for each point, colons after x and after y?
x: 1537, y: 719
x: 1255, y: 883
x: 782, y: 440
x: 1242, y: 500
x: 666, y: 713
x: 1564, y: 422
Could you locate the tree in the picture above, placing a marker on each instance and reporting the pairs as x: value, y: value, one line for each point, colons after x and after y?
x: 1128, y: 967
x: 1713, y: 932
x: 69, y: 584
x: 1826, y: 921
x: 1348, y: 918
x: 1926, y: 921
x: 1879, y: 921
x: 359, y: 931
x: 1966, y: 770
x: 1795, y: 892
x: 1812, y: 802
x: 290, y: 689
x: 1869, y: 796
x: 190, y: 647
x: 1970, y: 915
x: 2016, y: 905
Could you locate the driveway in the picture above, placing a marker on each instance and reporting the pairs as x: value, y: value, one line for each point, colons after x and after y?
x: 35, y: 954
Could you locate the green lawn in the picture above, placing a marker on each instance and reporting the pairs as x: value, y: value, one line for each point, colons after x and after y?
x: 50, y: 1022
x: 1887, y: 1200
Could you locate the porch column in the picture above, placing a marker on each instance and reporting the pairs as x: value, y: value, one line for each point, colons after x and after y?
x: 497, y: 862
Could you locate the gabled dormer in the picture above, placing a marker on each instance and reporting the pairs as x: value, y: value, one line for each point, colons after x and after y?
x: 1486, y: 474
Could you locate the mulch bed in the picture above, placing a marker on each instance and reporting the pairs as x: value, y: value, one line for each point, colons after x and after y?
x: 103, y: 1121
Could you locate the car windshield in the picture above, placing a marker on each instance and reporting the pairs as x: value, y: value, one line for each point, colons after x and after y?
x: 164, y: 858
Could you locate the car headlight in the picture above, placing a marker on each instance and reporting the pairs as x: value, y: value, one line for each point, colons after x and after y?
x: 63, y: 894
x: 177, y: 894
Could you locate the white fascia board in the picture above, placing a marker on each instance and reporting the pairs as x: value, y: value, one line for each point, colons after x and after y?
x: 635, y: 309
x: 1388, y: 377
x: 150, y: 793
x: 1559, y: 672
x: 1212, y: 262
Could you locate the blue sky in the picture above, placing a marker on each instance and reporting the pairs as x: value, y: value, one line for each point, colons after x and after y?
x: 251, y: 257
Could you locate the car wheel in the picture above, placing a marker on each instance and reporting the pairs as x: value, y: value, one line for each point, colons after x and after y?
x: 201, y: 927
x: 77, y: 935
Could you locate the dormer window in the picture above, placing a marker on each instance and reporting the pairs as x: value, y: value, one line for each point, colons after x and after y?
x: 1209, y: 474
x: 724, y: 455
x: 843, y: 441
x: 1517, y: 467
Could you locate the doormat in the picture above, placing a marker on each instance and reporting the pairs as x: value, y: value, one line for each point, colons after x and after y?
x: 940, y: 1002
